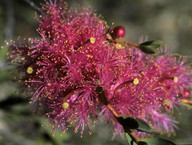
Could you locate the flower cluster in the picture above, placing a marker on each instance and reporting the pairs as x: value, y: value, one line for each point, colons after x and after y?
x: 79, y: 71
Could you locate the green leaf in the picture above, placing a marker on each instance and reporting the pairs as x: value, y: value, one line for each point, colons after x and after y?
x: 128, y: 122
x: 11, y: 101
x: 157, y: 141
x: 129, y: 139
x: 186, y: 104
x: 142, y: 143
x: 147, y: 49
x: 158, y: 54
x: 150, y: 46
x: 144, y: 127
x: 152, y: 42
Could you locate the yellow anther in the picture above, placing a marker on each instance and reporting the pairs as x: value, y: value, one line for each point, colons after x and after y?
x: 109, y: 37
x: 29, y: 70
x: 167, y: 104
x: 118, y: 46
x: 175, y: 79
x: 92, y: 40
x: 136, y: 81
x: 65, y: 105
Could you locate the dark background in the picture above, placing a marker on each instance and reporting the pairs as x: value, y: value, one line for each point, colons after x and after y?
x: 167, y: 20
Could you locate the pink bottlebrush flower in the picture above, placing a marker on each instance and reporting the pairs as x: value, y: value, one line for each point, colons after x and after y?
x: 129, y: 87
x: 174, y: 76
x: 73, y: 57
x: 162, y: 122
x: 138, y: 87
x: 60, y: 68
x: 79, y: 108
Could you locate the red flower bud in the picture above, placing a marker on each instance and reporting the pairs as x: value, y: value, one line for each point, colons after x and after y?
x: 119, y: 31
x: 186, y: 93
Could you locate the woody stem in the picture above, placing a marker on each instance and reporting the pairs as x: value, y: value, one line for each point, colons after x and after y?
x: 132, y: 135
x: 33, y: 5
x: 187, y: 101
x: 131, y: 44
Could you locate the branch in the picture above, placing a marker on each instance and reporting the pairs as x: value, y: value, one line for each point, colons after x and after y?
x: 132, y: 135
x: 187, y: 101
x: 10, y: 137
x: 33, y: 5
x: 10, y: 22
x: 131, y: 44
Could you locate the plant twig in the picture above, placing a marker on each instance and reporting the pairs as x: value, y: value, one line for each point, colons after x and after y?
x: 9, y: 27
x: 112, y: 110
x: 187, y: 101
x: 132, y: 135
x: 33, y: 5
x: 131, y: 44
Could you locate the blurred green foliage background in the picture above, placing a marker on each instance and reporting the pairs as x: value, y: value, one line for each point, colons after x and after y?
x: 167, y: 20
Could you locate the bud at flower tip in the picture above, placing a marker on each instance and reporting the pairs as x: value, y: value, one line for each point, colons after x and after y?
x: 186, y: 93
x: 119, y: 31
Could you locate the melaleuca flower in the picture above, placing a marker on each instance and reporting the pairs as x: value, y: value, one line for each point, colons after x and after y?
x: 141, y: 85
x: 60, y: 68
x: 174, y: 76
x: 78, y: 73
x: 162, y: 122
x: 130, y: 89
